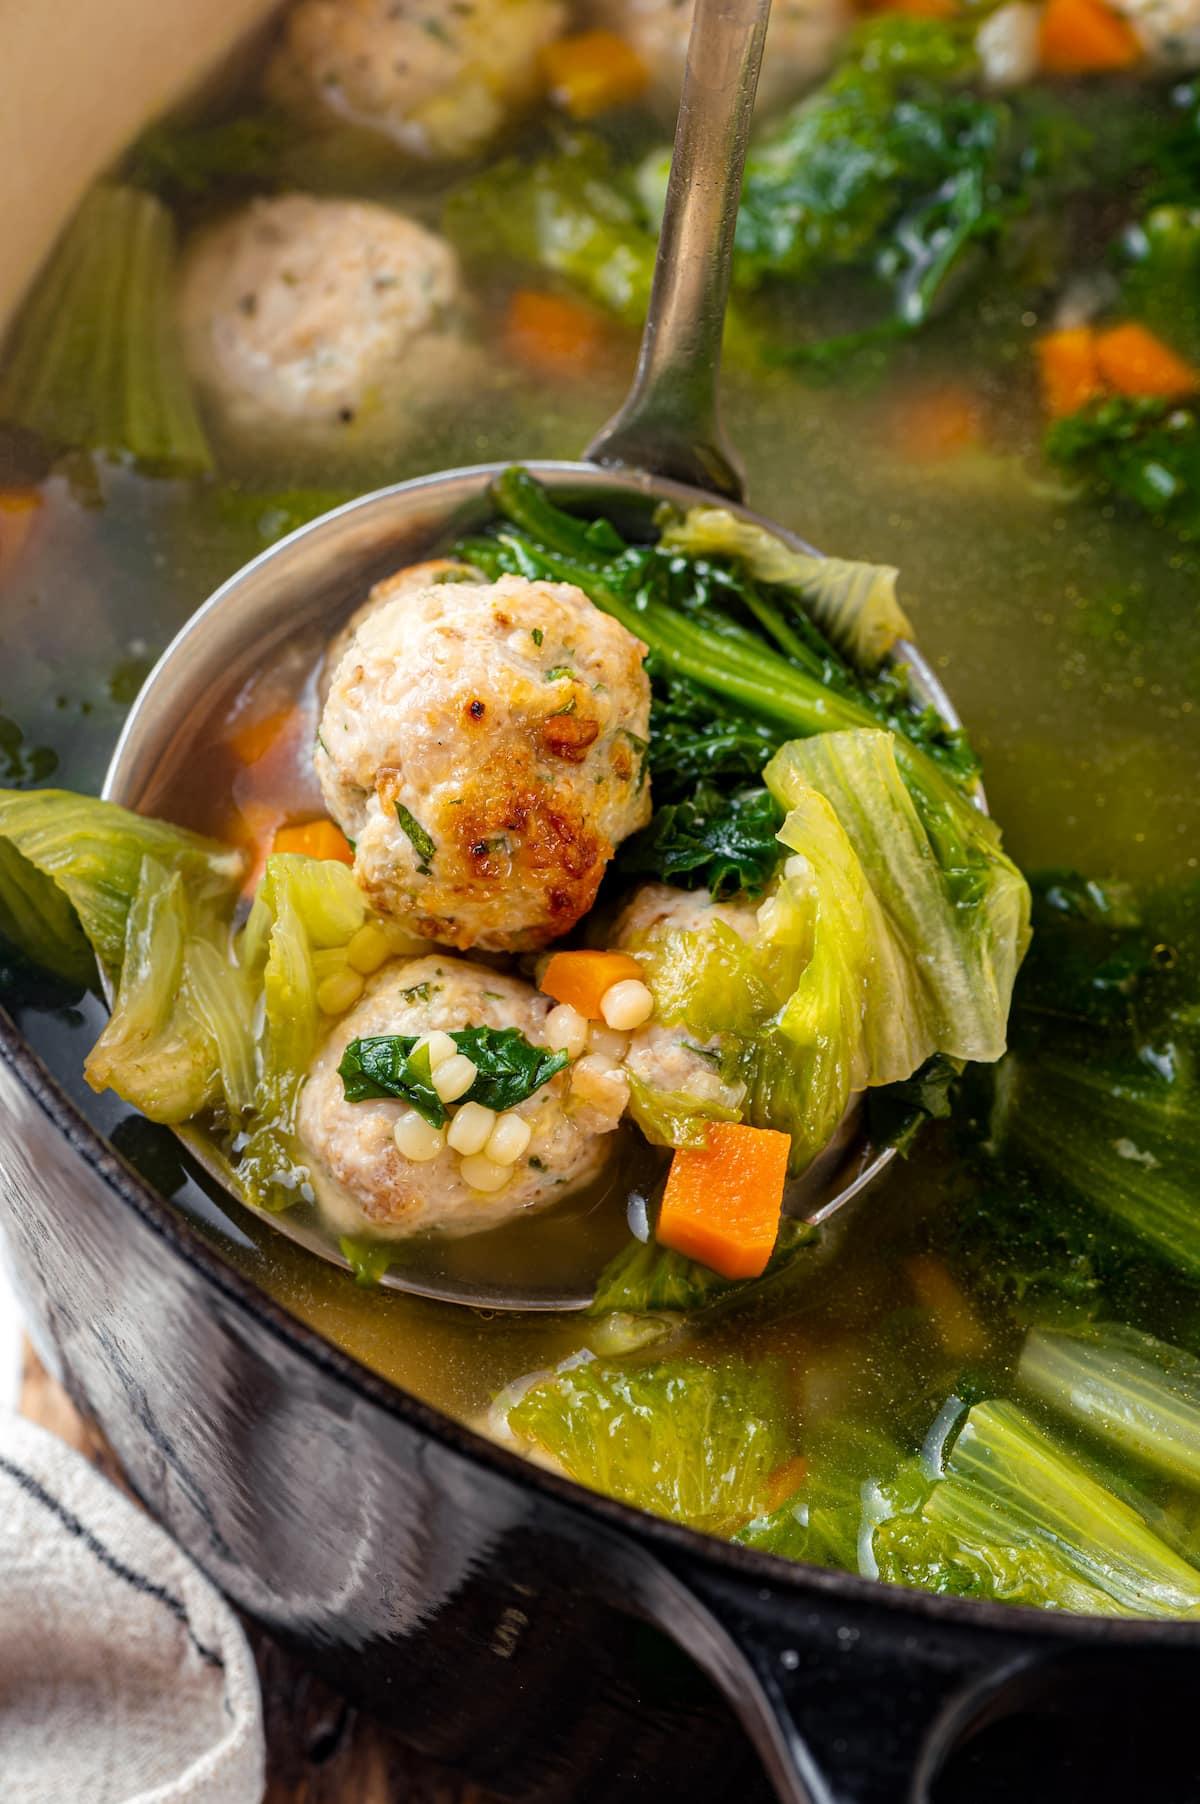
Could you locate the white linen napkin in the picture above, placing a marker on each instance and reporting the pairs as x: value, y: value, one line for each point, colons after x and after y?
x: 124, y: 1676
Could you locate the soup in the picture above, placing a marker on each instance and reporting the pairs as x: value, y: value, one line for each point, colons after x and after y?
x: 882, y: 1402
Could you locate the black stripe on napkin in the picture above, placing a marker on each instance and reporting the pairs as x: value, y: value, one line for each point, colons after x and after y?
x: 108, y: 1559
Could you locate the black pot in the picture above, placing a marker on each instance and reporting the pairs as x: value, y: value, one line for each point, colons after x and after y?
x: 497, y: 1616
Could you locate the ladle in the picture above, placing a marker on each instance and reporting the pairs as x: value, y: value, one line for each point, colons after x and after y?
x: 665, y: 443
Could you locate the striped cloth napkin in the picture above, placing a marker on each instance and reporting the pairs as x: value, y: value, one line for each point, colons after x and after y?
x: 125, y: 1678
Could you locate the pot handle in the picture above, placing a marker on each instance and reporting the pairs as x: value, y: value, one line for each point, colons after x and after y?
x: 848, y: 1701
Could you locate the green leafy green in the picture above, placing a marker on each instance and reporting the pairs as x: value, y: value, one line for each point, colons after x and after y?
x: 1133, y: 1392
x: 1143, y: 452
x: 94, y: 362
x: 422, y: 842
x: 958, y: 914
x: 646, y: 1278
x: 70, y: 867
x: 713, y: 628
x: 566, y: 213
x: 854, y: 1477
x: 303, y: 905
x: 192, y: 162
x: 898, y: 167
x: 1026, y: 1252
x: 180, y: 1039
x: 693, y: 1442
x: 727, y: 842
x: 853, y: 603
x: 508, y: 1069
x: 1018, y: 1518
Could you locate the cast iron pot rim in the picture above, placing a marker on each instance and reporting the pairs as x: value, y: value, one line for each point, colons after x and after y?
x: 184, y: 1239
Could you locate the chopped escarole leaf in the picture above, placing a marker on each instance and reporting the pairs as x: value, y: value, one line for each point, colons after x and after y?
x: 1019, y: 1518
x: 697, y: 1443
x: 853, y: 603
x: 507, y: 1069
x: 304, y: 906
x: 648, y: 1279
x: 94, y: 361
x: 957, y: 931
x: 1137, y: 1394
x: 70, y: 867
x: 865, y: 962
x: 179, y: 1040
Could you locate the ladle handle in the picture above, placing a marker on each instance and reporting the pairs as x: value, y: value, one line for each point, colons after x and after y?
x: 670, y: 424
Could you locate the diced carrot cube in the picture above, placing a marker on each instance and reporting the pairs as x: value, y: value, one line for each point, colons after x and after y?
x: 315, y: 839
x: 592, y: 72
x: 1069, y: 371
x: 1085, y: 37
x: 555, y: 335
x: 254, y: 738
x: 723, y: 1199
x: 1135, y: 362
x: 582, y: 979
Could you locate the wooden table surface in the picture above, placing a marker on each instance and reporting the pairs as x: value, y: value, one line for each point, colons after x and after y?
x: 319, y: 1749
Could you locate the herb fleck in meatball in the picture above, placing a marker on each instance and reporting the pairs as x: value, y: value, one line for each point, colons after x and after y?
x: 483, y: 746
x: 438, y: 77
x: 323, y: 322
x: 365, y: 1185
x: 801, y: 40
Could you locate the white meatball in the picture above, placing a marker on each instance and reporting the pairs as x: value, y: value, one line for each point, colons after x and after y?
x: 1169, y: 30
x: 801, y: 40
x: 483, y: 746
x: 364, y: 1184
x: 438, y: 77
x: 664, y: 1056
x: 323, y: 322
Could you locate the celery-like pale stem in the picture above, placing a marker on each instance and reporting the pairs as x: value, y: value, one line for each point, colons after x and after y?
x: 1126, y: 1388
x: 94, y: 361
x: 1044, y: 1495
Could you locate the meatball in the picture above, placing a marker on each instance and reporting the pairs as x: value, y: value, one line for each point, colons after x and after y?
x: 483, y: 746
x: 401, y: 582
x: 361, y: 1180
x: 323, y: 321
x: 801, y: 39
x: 664, y: 1056
x: 438, y: 77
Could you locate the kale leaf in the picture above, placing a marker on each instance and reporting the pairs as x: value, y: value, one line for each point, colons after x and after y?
x: 725, y: 841
x: 1144, y: 452
x: 897, y: 166
x: 508, y: 1069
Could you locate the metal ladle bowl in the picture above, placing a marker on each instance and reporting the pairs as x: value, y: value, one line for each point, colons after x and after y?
x: 666, y: 443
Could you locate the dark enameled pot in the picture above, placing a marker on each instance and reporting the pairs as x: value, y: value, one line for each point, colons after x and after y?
x: 495, y: 1615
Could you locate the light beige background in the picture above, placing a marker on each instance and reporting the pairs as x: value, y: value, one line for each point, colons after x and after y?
x: 77, y: 79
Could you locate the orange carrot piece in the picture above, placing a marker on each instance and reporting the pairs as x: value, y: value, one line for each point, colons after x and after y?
x: 1070, y: 374
x: 1135, y: 362
x: 592, y: 72
x: 936, y: 424
x: 723, y: 1199
x: 582, y: 978
x: 957, y: 1324
x: 254, y: 739
x: 1085, y: 37
x: 316, y: 839
x: 784, y: 1482
x: 554, y: 335
x: 18, y: 512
